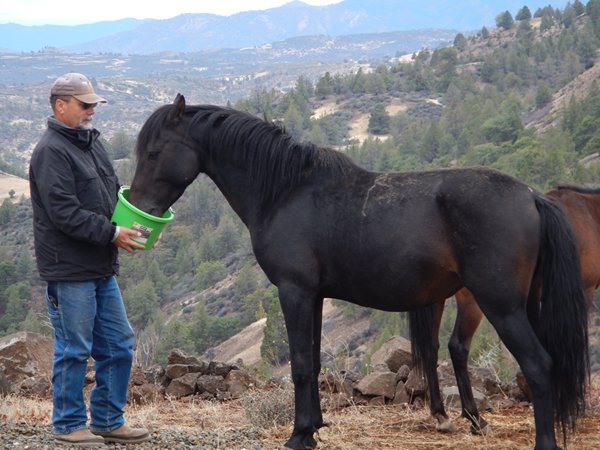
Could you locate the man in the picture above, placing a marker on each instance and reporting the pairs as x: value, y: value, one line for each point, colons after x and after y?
x: 73, y: 192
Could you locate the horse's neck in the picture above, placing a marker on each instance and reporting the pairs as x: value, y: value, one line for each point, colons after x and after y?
x: 239, y: 190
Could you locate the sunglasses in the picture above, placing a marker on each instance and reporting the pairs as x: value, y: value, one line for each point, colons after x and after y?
x: 87, y: 106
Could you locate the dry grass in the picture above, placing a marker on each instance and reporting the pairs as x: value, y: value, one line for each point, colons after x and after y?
x: 354, y: 427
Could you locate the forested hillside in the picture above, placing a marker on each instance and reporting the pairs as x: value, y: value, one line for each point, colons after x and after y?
x: 521, y: 97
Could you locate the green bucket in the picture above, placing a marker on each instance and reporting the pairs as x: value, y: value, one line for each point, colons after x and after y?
x: 128, y: 216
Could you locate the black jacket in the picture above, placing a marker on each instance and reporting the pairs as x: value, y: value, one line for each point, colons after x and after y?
x: 73, y: 192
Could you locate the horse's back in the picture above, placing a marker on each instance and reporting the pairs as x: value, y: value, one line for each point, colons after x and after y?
x: 582, y: 207
x: 418, y: 235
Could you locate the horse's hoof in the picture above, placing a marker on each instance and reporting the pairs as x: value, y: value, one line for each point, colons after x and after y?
x: 301, y: 443
x: 483, y: 429
x: 446, y: 426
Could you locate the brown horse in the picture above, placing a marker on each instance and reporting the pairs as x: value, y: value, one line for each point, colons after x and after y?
x: 582, y: 207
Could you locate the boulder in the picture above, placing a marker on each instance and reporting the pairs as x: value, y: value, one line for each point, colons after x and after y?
x: 219, y: 368
x: 524, y: 386
x: 401, y: 396
x: 183, y: 386
x: 393, y: 354
x: 416, y: 385
x: 213, y: 384
x: 26, y: 364
x: 378, y: 384
x: 145, y: 394
x: 178, y: 356
x: 338, y: 382
x: 402, y: 374
x: 451, y: 398
x: 173, y: 371
x: 239, y: 381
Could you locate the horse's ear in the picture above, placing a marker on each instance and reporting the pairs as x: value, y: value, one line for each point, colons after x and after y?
x: 179, y: 110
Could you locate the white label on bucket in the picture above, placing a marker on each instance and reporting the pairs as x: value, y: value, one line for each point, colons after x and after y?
x: 146, y: 231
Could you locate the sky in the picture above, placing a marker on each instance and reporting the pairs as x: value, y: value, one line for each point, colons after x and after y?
x: 69, y: 12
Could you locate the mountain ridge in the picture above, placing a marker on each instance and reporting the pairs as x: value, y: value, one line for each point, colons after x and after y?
x: 195, y: 32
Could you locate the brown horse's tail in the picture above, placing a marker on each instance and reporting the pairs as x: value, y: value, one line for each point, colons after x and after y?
x: 563, y: 319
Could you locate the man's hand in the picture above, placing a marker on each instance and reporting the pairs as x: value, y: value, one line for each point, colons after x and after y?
x: 157, y: 241
x: 124, y: 239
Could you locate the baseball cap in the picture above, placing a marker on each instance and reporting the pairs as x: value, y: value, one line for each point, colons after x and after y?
x: 76, y: 85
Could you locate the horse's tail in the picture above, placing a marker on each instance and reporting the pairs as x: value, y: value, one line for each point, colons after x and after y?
x: 563, y: 316
x: 423, y: 343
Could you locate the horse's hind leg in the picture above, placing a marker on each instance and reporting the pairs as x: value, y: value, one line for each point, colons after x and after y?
x: 517, y: 334
x: 424, y: 339
x: 436, y: 403
x: 468, y: 319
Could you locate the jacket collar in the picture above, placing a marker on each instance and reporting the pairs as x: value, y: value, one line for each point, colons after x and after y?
x: 80, y: 137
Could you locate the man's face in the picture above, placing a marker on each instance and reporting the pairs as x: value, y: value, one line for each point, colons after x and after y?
x: 74, y: 113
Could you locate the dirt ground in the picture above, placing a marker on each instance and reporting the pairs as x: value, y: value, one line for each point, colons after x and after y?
x: 360, y: 122
x: 10, y: 182
x: 398, y: 427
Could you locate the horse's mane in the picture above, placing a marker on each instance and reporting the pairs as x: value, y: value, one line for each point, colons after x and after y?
x: 592, y: 189
x: 276, y: 161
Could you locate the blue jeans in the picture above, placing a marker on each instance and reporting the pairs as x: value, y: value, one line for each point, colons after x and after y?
x: 89, y: 319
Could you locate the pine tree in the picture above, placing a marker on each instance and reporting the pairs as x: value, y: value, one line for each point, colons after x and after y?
x: 505, y: 20
x: 523, y: 14
x: 379, y: 121
x: 275, y: 348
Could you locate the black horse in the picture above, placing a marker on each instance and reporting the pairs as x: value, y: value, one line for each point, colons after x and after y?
x: 323, y: 227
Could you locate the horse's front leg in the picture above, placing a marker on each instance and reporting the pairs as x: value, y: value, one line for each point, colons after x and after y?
x: 300, y: 307
x: 317, y: 414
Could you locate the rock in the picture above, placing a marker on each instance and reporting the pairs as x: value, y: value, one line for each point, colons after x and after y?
x: 377, y: 401
x: 338, y: 382
x: 393, y: 354
x: 401, y: 396
x: 173, y: 371
x: 36, y: 387
x: 415, y: 384
x: 26, y: 363
x: 451, y: 397
x: 336, y: 401
x: 522, y: 383
x: 378, y: 384
x: 178, y: 356
x: 137, y: 377
x: 4, y: 384
x: 156, y: 375
x: 182, y: 386
x: 239, y: 381
x: 492, y: 387
x: 402, y: 374
x: 145, y: 394
x: 219, y: 368
x: 211, y: 384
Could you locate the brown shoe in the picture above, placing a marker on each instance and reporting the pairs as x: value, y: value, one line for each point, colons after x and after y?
x: 124, y: 435
x: 79, y: 438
